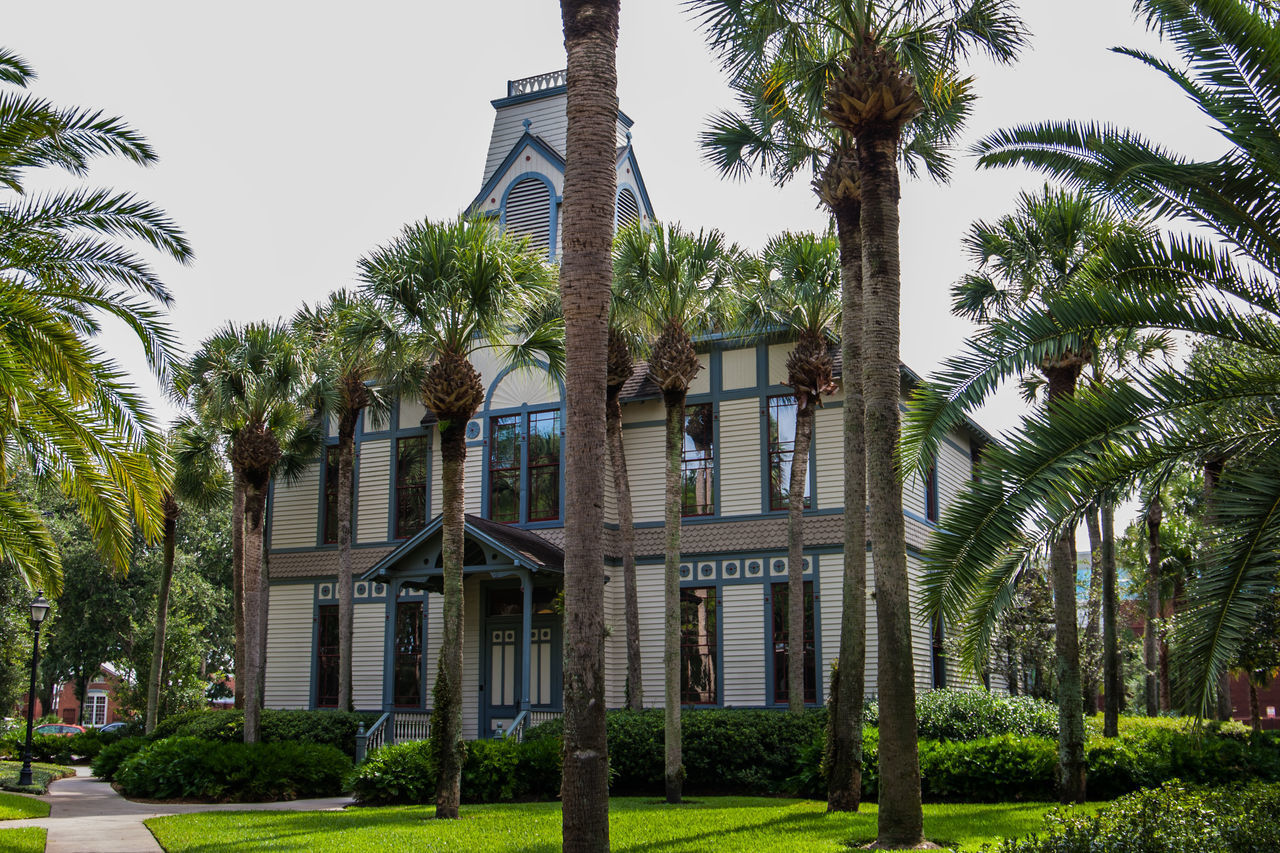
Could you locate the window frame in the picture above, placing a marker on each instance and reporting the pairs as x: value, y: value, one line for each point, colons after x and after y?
x: 525, y: 465
x: 420, y: 605
x: 92, y: 706
x: 329, y: 497
x: 397, y: 488
x: 716, y: 641
x: 776, y: 673
x: 705, y: 463
x: 773, y: 449
x: 324, y: 659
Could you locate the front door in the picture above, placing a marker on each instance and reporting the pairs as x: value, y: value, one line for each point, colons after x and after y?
x: 502, y: 664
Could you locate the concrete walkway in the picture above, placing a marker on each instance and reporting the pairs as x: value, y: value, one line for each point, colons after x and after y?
x: 87, y: 816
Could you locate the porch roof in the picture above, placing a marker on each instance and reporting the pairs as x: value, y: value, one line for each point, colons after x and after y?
x: 523, y: 548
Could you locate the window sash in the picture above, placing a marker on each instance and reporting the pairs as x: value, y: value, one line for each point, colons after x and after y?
x: 782, y: 442
x: 523, y: 463
x: 331, y: 495
x: 327, y: 656
x: 699, y: 646
x: 779, y: 594
x: 411, y: 484
x: 697, y: 462
x: 406, y: 684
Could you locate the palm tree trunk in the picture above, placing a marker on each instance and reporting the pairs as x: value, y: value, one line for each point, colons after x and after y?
x: 1092, y: 626
x: 844, y: 779
x: 627, y: 542
x: 255, y: 500
x: 901, y: 817
x: 795, y: 559
x: 586, y: 277
x: 1150, y: 645
x: 237, y: 579
x: 673, y: 769
x: 446, y: 714
x: 1112, y: 685
x: 346, y: 580
x: 1255, y: 714
x: 156, y: 676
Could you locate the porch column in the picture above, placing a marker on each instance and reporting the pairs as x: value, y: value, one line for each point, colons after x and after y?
x: 526, y: 627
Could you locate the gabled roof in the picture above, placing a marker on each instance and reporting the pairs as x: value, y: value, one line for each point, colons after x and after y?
x: 525, y: 549
x: 530, y: 139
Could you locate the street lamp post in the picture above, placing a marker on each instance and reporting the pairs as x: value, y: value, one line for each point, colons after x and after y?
x: 39, y: 610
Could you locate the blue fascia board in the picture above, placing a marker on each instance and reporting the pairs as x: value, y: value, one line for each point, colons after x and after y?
x: 527, y: 97
x: 531, y: 140
x: 635, y: 172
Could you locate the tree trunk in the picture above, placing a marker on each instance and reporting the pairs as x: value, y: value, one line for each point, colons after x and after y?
x: 1093, y: 627
x: 346, y: 579
x: 1150, y: 644
x: 446, y: 714
x: 255, y: 500
x: 237, y: 579
x: 844, y: 778
x: 1113, y: 686
x: 627, y: 543
x: 673, y: 767
x: 1062, y: 568
x: 586, y: 278
x: 901, y: 818
x: 1212, y: 471
x: 1255, y: 715
x: 795, y: 559
x: 1225, y: 709
x: 156, y: 676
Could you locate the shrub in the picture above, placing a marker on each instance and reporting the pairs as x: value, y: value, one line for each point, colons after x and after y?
x: 494, y: 771
x: 974, y: 714
x: 192, y: 768
x: 55, y: 749
x: 111, y: 756
x: 489, y: 772
x: 331, y: 728
x: 400, y: 773
x: 1170, y: 819
x: 995, y: 769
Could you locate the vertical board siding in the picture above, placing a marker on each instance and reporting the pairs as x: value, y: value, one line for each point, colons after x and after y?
x: 743, y: 649
x: 645, y: 464
x: 828, y: 444
x: 367, y: 654
x: 739, y: 454
x: 374, y: 491
x: 738, y: 369
x: 289, y: 640
x: 701, y: 383
x: 295, y: 511
x: 778, y: 354
x: 649, y: 597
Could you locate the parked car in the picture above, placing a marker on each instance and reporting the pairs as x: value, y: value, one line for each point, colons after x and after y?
x: 113, y: 727
x: 64, y: 729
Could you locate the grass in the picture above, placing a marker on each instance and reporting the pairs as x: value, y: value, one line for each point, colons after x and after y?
x: 709, y: 825
x: 15, y: 807
x: 41, y: 775
x: 26, y: 840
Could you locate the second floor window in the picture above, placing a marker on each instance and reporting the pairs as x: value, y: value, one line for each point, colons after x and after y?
x: 330, y: 495
x: 782, y: 442
x: 524, y: 467
x: 411, y: 484
x: 697, y: 461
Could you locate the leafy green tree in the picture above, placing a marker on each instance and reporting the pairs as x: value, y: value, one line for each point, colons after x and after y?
x: 456, y: 287
x: 70, y: 415
x: 673, y: 284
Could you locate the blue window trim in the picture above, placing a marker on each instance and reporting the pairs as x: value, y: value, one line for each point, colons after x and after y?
x: 524, y: 410
x: 769, y: 580
x: 766, y: 482
x: 389, y: 652
x: 553, y: 206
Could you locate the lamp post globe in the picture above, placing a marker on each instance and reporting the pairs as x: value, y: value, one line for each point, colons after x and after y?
x: 39, y: 610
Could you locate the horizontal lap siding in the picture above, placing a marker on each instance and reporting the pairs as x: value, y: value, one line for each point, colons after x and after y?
x: 470, y: 659
x: 433, y: 606
x: 374, y: 492
x: 289, y: 638
x: 743, y: 639
x: 295, y: 511
x: 615, y: 641
x: 830, y: 605
x: 778, y: 354
x: 474, y: 479
x: 644, y: 449
x: 954, y: 470
x: 547, y: 119
x: 829, y: 457
x: 367, y: 654
x: 739, y: 454
x: 921, y: 636
x: 701, y: 383
x: 649, y: 596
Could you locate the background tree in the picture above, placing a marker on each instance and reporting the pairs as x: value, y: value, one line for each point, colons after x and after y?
x: 457, y: 287
x: 673, y: 285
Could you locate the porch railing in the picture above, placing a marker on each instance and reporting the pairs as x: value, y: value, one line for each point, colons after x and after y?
x: 526, y: 719
x: 392, y: 727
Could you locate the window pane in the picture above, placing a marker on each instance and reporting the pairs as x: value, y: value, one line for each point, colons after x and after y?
x: 778, y: 593
x: 698, y: 461
x: 504, y: 469
x: 544, y: 438
x: 327, y: 657
x: 504, y: 442
x: 330, y: 495
x: 698, y: 646
x: 544, y: 493
x: 504, y: 496
x: 407, y: 666
x: 544, y: 466
x: 411, y: 484
x: 782, y: 441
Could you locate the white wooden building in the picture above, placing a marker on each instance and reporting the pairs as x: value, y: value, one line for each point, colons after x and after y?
x: 737, y: 461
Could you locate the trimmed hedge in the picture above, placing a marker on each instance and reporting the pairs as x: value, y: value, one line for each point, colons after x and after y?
x: 111, y: 756
x: 1171, y: 819
x: 330, y: 728
x: 494, y: 771
x: 192, y: 768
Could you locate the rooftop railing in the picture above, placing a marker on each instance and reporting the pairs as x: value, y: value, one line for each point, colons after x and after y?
x: 536, y: 83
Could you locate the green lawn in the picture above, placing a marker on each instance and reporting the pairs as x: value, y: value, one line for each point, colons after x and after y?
x: 25, y: 840
x: 15, y: 807
x: 708, y: 825
x: 41, y: 774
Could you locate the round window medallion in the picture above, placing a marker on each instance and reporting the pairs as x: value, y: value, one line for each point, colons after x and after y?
x: 473, y: 429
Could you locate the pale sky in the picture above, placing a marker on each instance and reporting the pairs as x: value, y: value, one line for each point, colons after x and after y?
x: 295, y: 137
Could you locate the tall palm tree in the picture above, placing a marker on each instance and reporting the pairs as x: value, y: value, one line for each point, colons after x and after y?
x: 345, y: 341
x: 621, y: 366
x: 1230, y: 49
x: 69, y: 411
x: 673, y: 284
x: 246, y: 383
x: 200, y: 478
x: 590, y: 186
x: 795, y: 291
x: 457, y: 287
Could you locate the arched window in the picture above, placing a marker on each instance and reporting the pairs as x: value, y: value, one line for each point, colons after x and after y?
x: 527, y: 212
x: 628, y: 208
